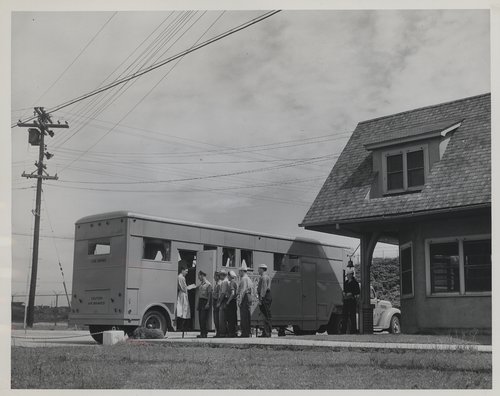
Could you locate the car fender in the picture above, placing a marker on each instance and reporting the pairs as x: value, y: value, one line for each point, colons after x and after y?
x: 385, y: 319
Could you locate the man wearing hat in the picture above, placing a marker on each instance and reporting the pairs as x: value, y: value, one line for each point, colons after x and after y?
x: 351, y: 291
x: 204, y: 301
x: 264, y: 293
x: 221, y: 302
x: 215, y: 298
x: 245, y: 300
x: 231, y: 308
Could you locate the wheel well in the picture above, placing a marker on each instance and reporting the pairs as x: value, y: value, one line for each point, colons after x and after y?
x: 164, y: 312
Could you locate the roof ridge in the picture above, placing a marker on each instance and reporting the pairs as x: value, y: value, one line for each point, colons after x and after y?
x: 423, y: 108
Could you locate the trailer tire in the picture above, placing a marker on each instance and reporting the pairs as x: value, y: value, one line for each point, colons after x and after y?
x: 98, y: 329
x: 395, y: 325
x: 155, y: 319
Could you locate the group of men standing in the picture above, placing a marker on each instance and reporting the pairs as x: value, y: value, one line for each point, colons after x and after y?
x: 226, y: 296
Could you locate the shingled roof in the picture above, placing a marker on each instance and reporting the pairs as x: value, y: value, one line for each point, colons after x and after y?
x: 461, y: 179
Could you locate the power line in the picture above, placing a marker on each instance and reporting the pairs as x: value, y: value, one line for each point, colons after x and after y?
x: 57, y: 251
x: 43, y: 236
x: 297, y: 163
x: 270, y: 184
x: 162, y: 63
x: 78, y: 56
x: 147, y: 93
x: 98, y: 104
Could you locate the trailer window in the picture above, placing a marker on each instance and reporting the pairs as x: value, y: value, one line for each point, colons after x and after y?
x: 156, y: 249
x: 97, y: 248
x: 228, y: 255
x: 246, y: 257
x: 279, y: 262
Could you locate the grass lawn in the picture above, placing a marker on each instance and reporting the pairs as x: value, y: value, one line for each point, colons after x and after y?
x: 460, y: 339
x: 167, y: 366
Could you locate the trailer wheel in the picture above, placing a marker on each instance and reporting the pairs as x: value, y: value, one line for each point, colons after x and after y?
x: 155, y: 319
x: 395, y: 325
x: 98, y: 329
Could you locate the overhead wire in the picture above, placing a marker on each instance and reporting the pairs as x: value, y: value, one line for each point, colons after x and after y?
x: 57, y: 250
x: 99, y: 103
x: 264, y: 169
x: 77, y: 56
x: 230, y: 149
x: 123, y: 88
x: 94, y: 101
x: 162, y: 63
x: 73, y: 61
x: 179, y: 59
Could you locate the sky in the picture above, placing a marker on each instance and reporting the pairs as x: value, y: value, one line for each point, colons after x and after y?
x: 252, y: 124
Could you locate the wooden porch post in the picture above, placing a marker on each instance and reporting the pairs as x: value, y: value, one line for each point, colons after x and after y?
x: 367, y: 245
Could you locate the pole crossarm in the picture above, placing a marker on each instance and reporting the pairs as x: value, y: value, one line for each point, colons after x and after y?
x: 37, y: 125
x: 44, y: 177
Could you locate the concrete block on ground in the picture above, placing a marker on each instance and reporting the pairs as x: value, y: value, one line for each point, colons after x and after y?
x: 112, y: 337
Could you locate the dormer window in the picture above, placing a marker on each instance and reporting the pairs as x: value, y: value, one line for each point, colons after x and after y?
x: 404, y: 170
x: 403, y: 158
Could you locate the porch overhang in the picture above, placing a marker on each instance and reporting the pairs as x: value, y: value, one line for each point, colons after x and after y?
x: 388, y: 226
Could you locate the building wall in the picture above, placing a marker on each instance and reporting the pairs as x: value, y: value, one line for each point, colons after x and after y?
x: 422, y: 313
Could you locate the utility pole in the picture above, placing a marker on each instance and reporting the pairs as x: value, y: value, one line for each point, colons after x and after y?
x: 37, y: 131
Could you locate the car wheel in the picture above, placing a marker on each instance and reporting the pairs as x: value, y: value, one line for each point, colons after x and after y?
x: 155, y: 319
x: 395, y: 325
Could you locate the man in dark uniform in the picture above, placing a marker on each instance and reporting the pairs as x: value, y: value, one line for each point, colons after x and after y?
x: 351, y: 291
x: 265, y: 300
x: 231, y: 308
x: 222, y: 302
x: 215, y: 297
x: 204, y: 302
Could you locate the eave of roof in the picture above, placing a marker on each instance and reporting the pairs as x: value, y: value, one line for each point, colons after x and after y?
x: 395, y: 217
x: 415, y: 134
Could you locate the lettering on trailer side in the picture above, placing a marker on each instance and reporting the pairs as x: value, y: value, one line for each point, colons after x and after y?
x: 96, y: 300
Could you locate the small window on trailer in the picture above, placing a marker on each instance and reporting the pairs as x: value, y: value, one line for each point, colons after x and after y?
x: 246, y: 256
x: 156, y: 249
x: 228, y: 257
x: 99, y: 247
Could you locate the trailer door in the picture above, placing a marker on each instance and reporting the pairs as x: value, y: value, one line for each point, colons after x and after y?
x: 205, y: 261
x: 308, y: 271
